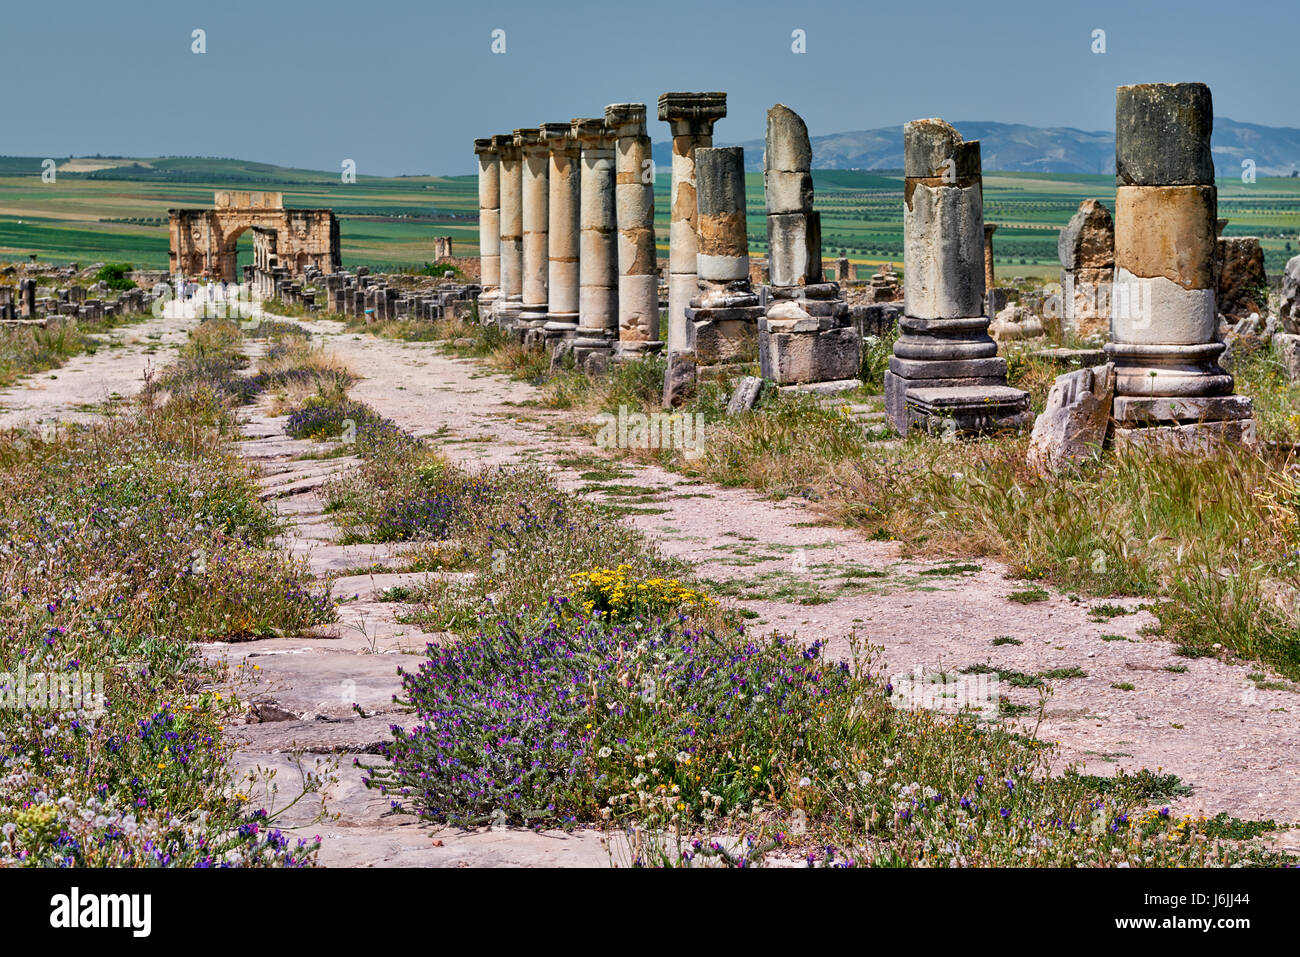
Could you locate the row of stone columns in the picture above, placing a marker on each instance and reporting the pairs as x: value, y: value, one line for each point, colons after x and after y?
x: 567, y: 239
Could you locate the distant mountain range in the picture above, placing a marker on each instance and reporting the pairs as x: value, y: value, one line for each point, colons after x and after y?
x: 1015, y: 147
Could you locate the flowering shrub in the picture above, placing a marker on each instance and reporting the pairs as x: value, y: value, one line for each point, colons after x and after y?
x: 619, y: 595
x: 683, y: 732
x: 565, y: 720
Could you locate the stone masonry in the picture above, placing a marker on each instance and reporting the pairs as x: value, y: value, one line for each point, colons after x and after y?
x: 562, y: 247
x: 535, y: 159
x: 945, y: 374
x: 722, y: 319
x: 1169, y: 388
x: 598, y: 262
x: 806, y: 335
x: 511, y: 299
x: 489, y: 218
x: 1086, y: 248
x: 690, y: 117
x: 634, y: 198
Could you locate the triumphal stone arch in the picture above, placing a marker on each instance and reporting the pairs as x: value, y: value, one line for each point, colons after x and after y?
x: 203, y: 241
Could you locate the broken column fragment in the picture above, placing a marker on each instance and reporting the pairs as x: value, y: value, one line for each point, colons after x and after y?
x: 806, y: 335
x: 690, y: 117
x: 722, y: 319
x: 1086, y: 247
x: 945, y: 374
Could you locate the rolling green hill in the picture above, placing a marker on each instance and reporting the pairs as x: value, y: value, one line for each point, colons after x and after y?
x: 102, y: 208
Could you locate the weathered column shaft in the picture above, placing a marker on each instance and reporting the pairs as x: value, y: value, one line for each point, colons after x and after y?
x: 806, y: 335
x: 943, y: 223
x: 598, y: 266
x: 489, y: 217
x: 512, y: 222
x: 690, y: 117
x: 535, y: 222
x: 945, y: 371
x: 563, y: 179
x: 1164, y: 312
x: 988, y: 256
x: 638, y: 282
x: 722, y: 254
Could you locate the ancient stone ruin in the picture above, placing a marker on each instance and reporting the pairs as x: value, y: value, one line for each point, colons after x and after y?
x: 945, y: 373
x: 806, y: 335
x: 1241, y: 284
x: 1087, y: 250
x: 203, y: 241
x: 1169, y: 387
x: 690, y: 117
x: 722, y: 318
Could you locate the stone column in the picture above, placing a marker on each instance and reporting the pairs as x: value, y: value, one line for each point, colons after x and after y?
x: 1169, y: 388
x: 690, y: 117
x: 945, y: 374
x: 489, y: 219
x: 27, y: 298
x: 806, y: 335
x: 722, y: 319
x: 512, y: 230
x: 1241, y: 284
x: 1086, y: 248
x: 598, y: 268
x: 562, y: 276
x: 634, y: 199
x: 992, y: 309
x: 535, y: 158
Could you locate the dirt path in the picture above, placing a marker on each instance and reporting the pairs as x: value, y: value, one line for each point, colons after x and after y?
x: 88, y: 385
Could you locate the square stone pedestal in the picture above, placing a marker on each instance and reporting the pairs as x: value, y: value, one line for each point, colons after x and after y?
x: 556, y: 332
x: 969, y: 380
x: 1188, y: 423
x: 631, y: 351
x: 816, y: 349
x: 967, y: 410
x: 585, y: 344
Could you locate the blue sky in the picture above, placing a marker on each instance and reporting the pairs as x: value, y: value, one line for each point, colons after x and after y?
x: 404, y: 87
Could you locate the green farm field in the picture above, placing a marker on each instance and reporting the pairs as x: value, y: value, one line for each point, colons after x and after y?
x: 114, y: 209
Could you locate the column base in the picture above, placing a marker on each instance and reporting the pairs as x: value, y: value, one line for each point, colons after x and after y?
x: 557, y: 330
x: 942, y: 407
x: 1171, y: 371
x: 1197, y: 437
x: 1187, y: 423
x: 722, y: 324
x: 966, y: 405
x: 808, y: 336
x: 628, y: 351
x: 589, y: 342
x: 506, y: 313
